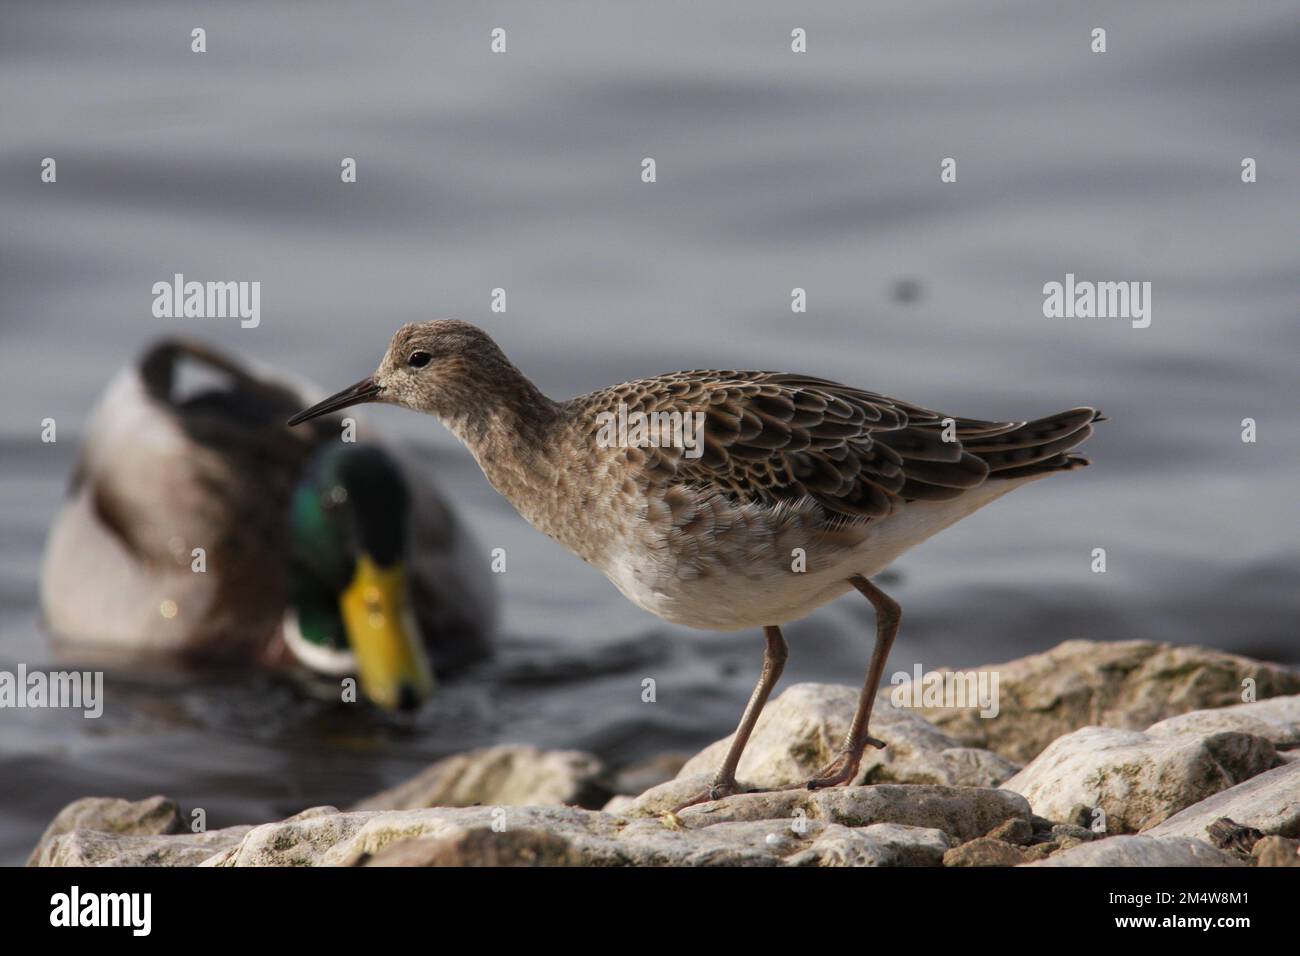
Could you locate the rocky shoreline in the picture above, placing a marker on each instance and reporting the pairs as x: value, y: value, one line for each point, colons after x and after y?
x: 1101, y: 754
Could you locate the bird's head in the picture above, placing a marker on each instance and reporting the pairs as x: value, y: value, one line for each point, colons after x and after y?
x: 444, y: 367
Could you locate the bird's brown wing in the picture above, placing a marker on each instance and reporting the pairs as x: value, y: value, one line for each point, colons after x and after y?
x: 773, y: 437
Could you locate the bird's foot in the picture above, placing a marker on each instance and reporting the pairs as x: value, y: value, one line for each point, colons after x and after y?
x: 841, y: 771
x: 715, y: 791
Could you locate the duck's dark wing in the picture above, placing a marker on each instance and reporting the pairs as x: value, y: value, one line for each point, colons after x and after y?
x: 451, y: 590
x: 238, y: 463
x: 230, y: 404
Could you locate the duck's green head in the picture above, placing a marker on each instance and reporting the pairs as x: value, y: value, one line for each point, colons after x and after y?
x: 350, y: 599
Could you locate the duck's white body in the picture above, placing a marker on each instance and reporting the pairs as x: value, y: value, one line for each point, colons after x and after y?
x: 95, y: 592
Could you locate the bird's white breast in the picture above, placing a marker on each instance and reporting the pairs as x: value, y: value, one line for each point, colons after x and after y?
x: 752, y: 575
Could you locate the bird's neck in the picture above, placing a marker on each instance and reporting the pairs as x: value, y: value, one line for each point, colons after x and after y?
x: 509, y: 426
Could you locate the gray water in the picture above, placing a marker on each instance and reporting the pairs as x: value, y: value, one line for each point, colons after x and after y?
x: 775, y: 170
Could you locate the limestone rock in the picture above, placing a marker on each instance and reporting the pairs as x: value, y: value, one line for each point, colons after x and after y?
x: 985, y: 851
x: 928, y: 799
x: 99, y: 848
x: 962, y: 812
x: 1141, y: 851
x: 1232, y: 836
x: 619, y: 803
x: 1138, y: 780
x: 1040, y: 851
x: 640, y: 777
x: 1070, y: 831
x: 109, y: 815
x: 1015, y: 830
x: 301, y: 840
x: 796, y: 828
x: 1269, y: 802
x: 1124, y: 684
x: 480, y: 847
x: 1276, y: 851
x: 1277, y: 719
x: 566, y: 836
x: 880, y: 844
x: 800, y: 731
x: 499, y: 776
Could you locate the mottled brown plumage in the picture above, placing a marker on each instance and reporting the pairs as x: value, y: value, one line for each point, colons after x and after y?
x: 772, y: 437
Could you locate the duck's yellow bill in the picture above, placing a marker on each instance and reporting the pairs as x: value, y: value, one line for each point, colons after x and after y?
x: 391, y: 662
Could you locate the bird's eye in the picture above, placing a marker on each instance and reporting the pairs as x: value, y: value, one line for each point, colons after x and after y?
x: 419, y: 359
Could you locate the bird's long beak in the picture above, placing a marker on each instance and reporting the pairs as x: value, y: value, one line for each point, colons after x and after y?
x: 391, y: 660
x: 364, y: 391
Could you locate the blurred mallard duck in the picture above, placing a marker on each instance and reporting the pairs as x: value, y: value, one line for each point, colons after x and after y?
x: 338, y: 557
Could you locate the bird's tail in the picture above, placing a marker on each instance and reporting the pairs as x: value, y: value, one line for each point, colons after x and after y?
x: 1037, y: 448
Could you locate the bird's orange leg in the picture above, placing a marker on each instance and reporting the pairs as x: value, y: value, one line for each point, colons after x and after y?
x: 724, y: 782
x: 844, y: 767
